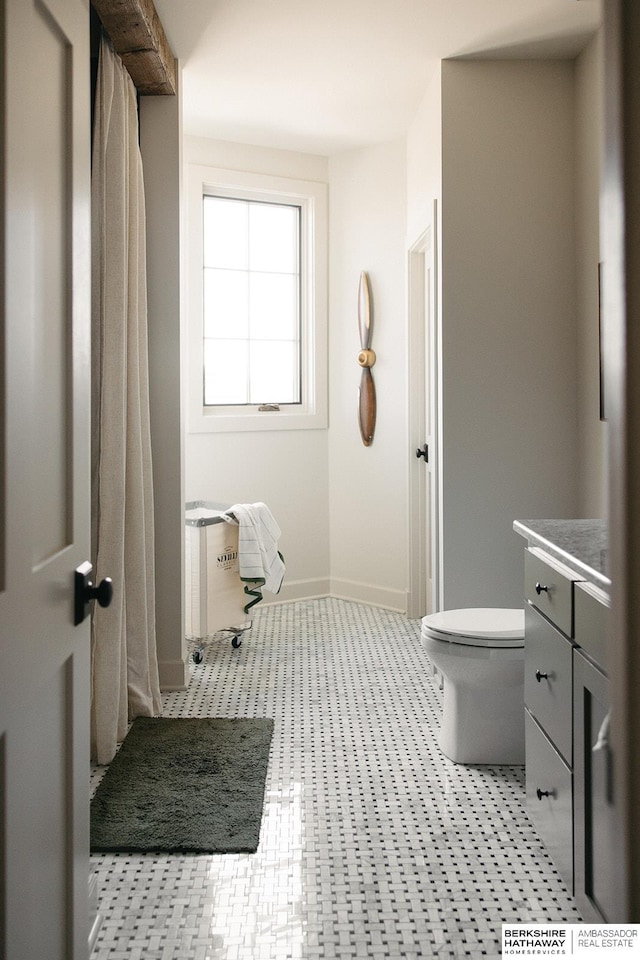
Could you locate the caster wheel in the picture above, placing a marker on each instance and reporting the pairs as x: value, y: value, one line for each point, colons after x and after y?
x: 236, y: 641
x: 197, y: 656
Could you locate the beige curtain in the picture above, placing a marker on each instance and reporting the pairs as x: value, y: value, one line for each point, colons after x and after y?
x: 124, y: 660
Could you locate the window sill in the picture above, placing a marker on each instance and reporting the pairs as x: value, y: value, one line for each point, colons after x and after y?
x: 258, y: 422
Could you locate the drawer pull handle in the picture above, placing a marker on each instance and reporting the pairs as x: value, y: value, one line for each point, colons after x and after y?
x: 541, y: 676
x: 544, y: 793
x: 541, y: 588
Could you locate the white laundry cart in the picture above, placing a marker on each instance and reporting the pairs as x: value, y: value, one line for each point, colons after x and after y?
x: 215, y: 598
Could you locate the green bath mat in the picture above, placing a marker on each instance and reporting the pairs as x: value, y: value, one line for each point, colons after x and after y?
x: 184, y: 785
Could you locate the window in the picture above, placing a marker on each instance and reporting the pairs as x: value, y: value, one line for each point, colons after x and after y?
x: 251, y: 302
x: 257, y: 302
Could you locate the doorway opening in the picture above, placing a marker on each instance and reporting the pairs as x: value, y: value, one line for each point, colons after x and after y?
x: 424, y: 521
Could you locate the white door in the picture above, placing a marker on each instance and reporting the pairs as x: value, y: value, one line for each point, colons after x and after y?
x: 423, y: 406
x: 44, y: 479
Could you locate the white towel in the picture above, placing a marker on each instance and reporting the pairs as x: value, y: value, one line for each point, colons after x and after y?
x: 258, y: 554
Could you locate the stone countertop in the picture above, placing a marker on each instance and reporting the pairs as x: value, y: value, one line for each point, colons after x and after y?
x: 581, y: 545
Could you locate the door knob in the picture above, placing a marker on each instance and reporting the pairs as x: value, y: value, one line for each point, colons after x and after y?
x: 423, y: 452
x: 544, y: 793
x: 85, y: 592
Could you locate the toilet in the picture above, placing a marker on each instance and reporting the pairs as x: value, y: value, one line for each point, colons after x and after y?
x: 479, y: 653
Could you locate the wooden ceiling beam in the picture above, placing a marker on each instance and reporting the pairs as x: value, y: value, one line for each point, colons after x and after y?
x: 139, y: 39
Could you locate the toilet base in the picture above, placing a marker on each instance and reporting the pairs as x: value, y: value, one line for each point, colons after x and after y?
x: 479, y: 727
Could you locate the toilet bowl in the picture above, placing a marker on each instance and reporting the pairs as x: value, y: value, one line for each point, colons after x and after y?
x: 479, y: 653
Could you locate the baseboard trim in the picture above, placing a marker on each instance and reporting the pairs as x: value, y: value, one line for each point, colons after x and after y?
x: 174, y: 674
x: 291, y: 591
x: 352, y: 590
x: 369, y: 593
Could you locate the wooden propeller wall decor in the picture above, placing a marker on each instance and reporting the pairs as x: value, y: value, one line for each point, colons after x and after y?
x: 366, y: 359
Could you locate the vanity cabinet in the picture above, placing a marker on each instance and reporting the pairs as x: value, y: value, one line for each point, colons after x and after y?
x: 569, y: 764
x: 548, y: 689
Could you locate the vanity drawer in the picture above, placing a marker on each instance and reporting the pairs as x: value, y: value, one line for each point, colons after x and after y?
x: 549, y: 587
x: 591, y: 614
x: 548, y: 679
x: 550, y: 798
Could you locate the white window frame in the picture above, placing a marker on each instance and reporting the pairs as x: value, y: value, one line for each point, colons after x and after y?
x: 311, y: 197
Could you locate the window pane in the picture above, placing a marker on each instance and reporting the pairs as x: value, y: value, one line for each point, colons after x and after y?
x: 274, y: 372
x: 226, y: 303
x: 273, y: 237
x: 226, y: 237
x: 274, y: 306
x: 251, y: 294
x: 225, y: 371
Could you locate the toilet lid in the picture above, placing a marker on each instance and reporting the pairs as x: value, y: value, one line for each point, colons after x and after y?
x: 487, y: 626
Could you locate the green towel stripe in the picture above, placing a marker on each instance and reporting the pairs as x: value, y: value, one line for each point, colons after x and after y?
x: 255, y: 590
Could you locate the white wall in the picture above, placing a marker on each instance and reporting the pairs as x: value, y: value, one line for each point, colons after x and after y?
x: 287, y: 470
x: 591, y: 431
x: 495, y: 143
x: 367, y: 485
x: 253, y: 159
x: 341, y: 506
x: 424, y: 159
x: 508, y: 317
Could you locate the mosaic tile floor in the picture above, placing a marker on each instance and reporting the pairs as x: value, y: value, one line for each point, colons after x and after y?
x: 372, y: 844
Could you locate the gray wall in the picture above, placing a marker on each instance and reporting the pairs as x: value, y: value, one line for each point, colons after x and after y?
x: 508, y: 317
x: 160, y: 143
